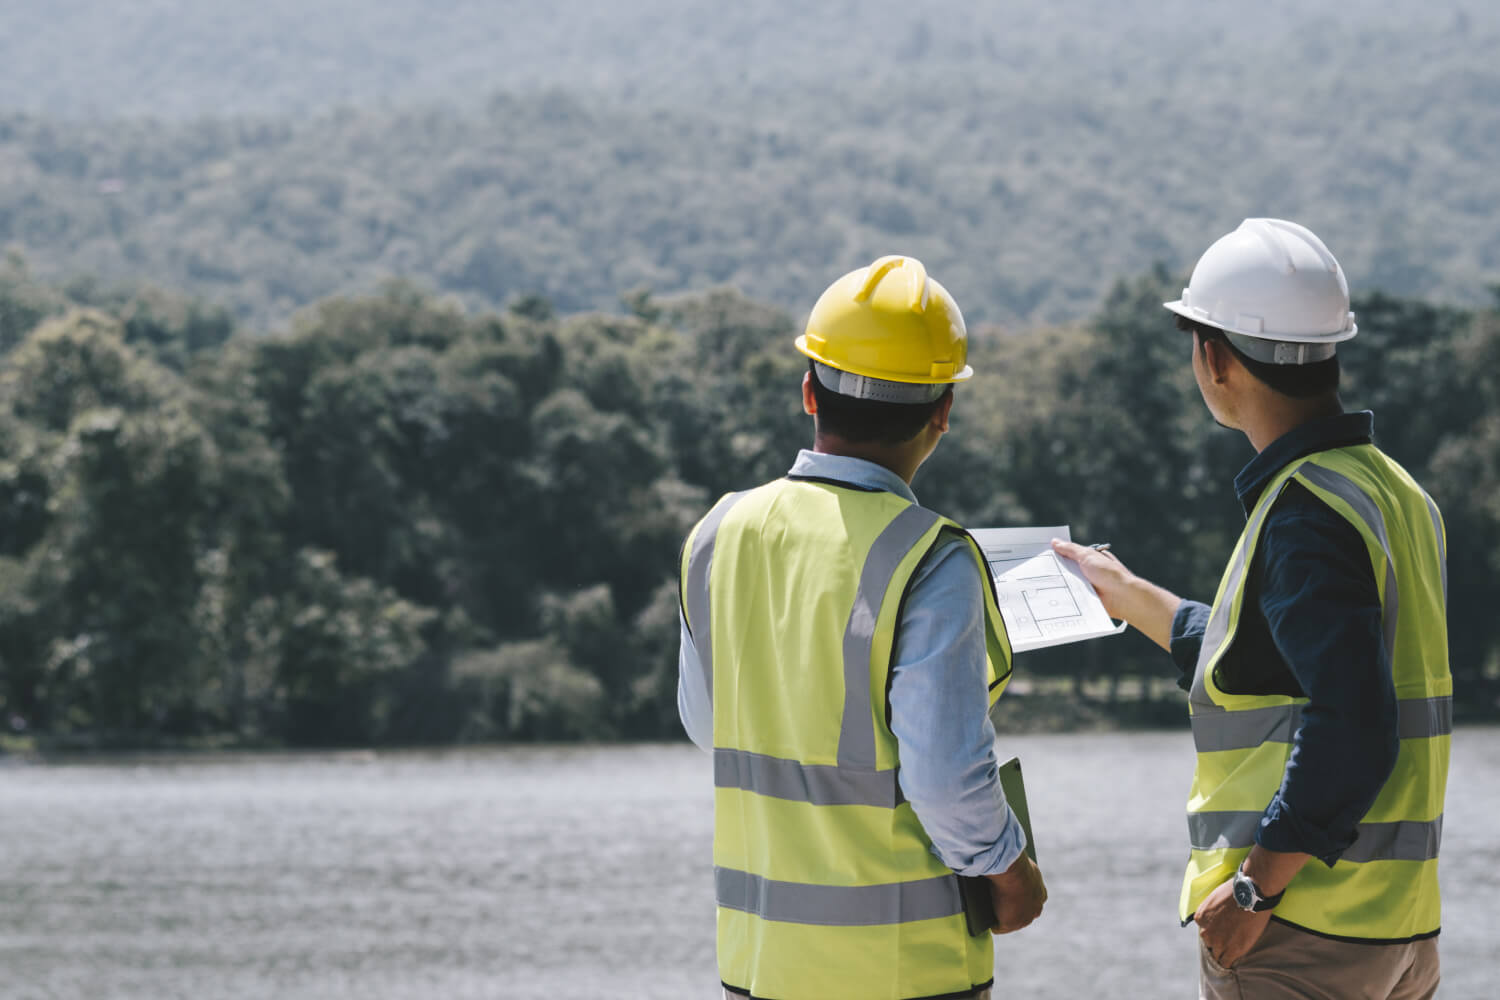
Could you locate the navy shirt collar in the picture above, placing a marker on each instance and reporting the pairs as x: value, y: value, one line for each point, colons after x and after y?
x: 1315, y: 435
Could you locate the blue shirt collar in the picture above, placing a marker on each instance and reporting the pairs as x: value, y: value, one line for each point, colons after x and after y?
x: 855, y: 471
x: 1315, y: 435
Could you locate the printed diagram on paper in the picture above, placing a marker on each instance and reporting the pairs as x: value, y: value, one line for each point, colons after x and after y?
x: 1044, y: 599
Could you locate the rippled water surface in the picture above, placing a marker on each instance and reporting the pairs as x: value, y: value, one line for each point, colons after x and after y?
x: 560, y: 872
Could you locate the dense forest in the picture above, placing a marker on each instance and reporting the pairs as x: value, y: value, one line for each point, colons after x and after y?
x: 399, y: 522
x: 272, y: 155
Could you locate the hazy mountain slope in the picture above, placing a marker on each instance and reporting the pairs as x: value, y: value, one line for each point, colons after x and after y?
x: 188, y: 57
x: 1030, y: 157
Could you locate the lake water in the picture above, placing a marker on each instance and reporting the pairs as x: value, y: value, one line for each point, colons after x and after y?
x: 531, y: 873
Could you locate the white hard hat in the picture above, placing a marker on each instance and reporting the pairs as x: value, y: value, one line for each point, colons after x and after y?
x: 1274, y: 289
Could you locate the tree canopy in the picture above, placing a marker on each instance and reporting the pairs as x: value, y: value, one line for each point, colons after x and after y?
x: 400, y: 522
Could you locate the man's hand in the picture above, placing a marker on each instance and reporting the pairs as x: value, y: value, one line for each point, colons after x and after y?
x: 1018, y: 893
x: 1228, y: 932
x: 1124, y: 595
x: 1108, y: 575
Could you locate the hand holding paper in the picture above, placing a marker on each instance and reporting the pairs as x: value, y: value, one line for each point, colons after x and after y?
x: 1045, y: 599
x: 1123, y: 594
x: 1104, y: 572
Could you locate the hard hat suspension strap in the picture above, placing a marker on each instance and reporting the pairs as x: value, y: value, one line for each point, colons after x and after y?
x: 1280, y: 352
x: 878, y: 389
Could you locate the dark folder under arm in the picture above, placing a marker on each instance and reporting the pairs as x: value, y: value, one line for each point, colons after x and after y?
x: 979, y: 905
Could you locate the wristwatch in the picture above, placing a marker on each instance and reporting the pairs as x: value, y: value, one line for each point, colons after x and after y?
x: 1249, y: 897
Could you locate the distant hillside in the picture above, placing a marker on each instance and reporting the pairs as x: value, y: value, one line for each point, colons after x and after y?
x: 1031, y: 156
x: 187, y: 58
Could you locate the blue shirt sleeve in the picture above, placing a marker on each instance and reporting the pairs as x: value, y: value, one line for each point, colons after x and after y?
x: 693, y: 705
x: 1322, y: 606
x: 939, y: 700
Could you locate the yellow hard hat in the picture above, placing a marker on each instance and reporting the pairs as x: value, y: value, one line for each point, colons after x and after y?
x: 889, y: 322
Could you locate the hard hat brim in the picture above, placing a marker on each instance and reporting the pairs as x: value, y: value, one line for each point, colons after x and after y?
x: 1203, y: 316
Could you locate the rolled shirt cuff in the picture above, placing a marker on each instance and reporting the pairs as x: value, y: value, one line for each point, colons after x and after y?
x: 1283, y: 830
x: 999, y: 856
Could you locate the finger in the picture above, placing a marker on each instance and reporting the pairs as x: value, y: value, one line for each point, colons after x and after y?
x: 1072, y: 550
x: 1016, y: 920
x: 1029, y: 919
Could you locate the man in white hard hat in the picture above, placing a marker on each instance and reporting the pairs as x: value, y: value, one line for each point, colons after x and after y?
x: 841, y: 648
x: 1320, y: 695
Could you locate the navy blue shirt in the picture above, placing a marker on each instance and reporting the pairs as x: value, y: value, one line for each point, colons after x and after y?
x: 1311, y: 628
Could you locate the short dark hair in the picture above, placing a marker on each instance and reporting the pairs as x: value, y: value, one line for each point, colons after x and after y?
x: 869, y: 421
x: 1296, y: 381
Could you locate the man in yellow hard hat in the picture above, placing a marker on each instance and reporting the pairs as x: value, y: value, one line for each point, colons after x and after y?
x: 841, y: 649
x: 1320, y: 692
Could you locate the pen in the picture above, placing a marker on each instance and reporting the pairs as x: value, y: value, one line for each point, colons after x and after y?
x: 1102, y: 546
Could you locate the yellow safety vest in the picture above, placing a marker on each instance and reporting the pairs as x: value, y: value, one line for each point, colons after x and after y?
x: 1384, y: 888
x: 826, y: 883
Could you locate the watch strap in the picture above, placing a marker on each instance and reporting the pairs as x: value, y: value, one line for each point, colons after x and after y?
x: 1267, y: 902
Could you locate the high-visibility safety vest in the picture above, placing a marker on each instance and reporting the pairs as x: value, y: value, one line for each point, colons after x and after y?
x: 825, y: 880
x: 1384, y: 888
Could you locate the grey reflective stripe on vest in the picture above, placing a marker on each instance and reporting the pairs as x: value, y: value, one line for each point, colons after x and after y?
x: 695, y: 587
x: 1211, y: 831
x: 1425, y: 717
x: 1409, y: 840
x: 1345, y: 489
x: 818, y: 784
x: 1218, y: 620
x: 1224, y: 730
x: 1418, y: 718
x: 1442, y: 542
x: 835, y: 905
x: 857, y: 726
x: 1401, y: 841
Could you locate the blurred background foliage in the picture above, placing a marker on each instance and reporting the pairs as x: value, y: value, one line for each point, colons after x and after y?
x: 400, y: 522
x: 268, y: 156
x: 446, y: 505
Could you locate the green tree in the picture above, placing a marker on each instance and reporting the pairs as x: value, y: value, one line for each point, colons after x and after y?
x: 1466, y: 483
x: 113, y: 575
x: 339, y: 642
x: 23, y: 302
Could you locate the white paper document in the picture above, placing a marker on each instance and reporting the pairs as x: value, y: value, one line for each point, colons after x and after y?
x: 1044, y: 599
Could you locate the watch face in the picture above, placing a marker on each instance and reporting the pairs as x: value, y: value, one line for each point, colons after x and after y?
x: 1243, y: 894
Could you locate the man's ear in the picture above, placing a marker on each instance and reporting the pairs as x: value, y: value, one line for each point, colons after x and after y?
x: 809, y: 401
x: 1218, y: 359
x: 940, y: 414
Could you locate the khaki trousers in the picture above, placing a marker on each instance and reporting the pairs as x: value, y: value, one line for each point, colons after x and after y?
x: 1288, y: 964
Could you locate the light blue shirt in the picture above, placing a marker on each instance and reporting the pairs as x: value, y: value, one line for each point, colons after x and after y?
x: 939, y: 695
